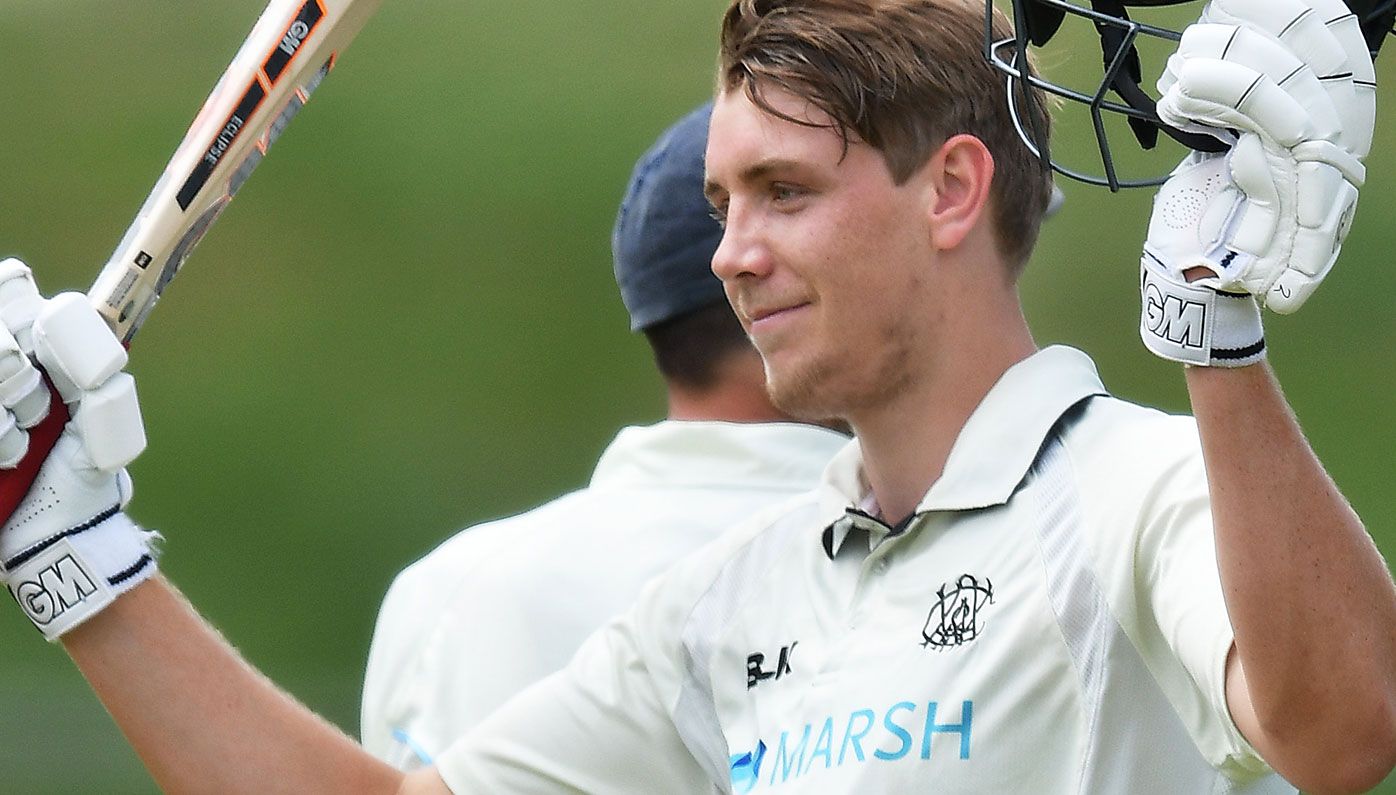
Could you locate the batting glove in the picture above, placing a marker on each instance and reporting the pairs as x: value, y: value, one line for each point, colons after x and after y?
x: 1267, y: 218
x: 68, y: 550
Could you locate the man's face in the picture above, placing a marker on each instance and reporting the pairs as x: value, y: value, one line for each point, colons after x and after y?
x: 826, y: 261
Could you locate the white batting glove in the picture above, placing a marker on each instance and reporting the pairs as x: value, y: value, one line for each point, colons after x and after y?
x: 1266, y: 219
x: 1196, y: 322
x: 67, y: 550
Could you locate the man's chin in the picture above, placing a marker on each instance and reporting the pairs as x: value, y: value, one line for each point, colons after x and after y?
x: 801, y: 393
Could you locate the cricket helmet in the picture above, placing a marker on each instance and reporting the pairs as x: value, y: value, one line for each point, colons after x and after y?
x: 1119, y: 92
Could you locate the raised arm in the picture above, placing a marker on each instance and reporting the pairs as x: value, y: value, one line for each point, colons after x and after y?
x: 1311, y: 676
x: 1311, y: 681
x: 201, y: 718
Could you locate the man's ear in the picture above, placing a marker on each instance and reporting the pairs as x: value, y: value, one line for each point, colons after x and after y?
x: 960, y: 173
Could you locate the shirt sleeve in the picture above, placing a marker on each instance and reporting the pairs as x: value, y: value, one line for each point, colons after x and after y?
x: 389, y: 676
x: 598, y: 725
x: 1176, y: 571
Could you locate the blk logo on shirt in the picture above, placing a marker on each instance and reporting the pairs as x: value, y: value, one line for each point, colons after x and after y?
x: 757, y: 673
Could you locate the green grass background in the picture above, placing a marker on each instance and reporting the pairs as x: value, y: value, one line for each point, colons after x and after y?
x: 406, y: 323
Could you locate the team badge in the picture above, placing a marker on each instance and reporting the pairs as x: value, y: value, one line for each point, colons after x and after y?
x: 957, y: 616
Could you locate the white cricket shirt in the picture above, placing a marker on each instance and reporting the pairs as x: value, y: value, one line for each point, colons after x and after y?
x: 499, y: 606
x: 1051, y: 621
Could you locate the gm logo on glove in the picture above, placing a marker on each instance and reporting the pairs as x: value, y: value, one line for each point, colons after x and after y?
x: 1181, y: 322
x: 57, y: 587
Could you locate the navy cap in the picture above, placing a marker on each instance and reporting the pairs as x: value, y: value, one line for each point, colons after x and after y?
x: 665, y: 236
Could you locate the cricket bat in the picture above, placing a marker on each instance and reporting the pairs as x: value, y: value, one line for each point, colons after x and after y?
x: 291, y: 48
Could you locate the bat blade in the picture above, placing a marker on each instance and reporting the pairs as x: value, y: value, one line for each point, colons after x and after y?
x: 289, y: 51
x: 291, y: 48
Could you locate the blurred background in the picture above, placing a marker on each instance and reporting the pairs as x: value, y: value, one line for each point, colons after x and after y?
x: 406, y: 322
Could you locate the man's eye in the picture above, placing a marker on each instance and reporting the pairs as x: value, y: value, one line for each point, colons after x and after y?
x: 718, y: 215
x: 782, y: 192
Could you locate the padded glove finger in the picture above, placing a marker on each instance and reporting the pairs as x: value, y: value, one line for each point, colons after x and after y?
x: 1256, y: 87
x: 1327, y: 203
x: 19, y: 301
x: 84, y: 360
x: 22, y: 388
x: 14, y: 442
x: 1326, y: 36
x: 24, y: 400
x: 1296, y: 23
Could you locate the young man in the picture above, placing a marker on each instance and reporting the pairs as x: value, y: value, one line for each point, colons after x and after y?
x: 499, y: 606
x: 1012, y: 583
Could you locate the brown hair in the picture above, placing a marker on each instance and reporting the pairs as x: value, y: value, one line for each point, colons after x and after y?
x: 902, y: 76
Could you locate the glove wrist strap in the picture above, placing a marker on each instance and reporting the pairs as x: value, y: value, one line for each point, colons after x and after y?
x: 71, y: 576
x: 1195, y: 324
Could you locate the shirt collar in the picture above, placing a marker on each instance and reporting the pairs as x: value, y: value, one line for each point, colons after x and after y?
x: 991, y: 455
x: 729, y: 454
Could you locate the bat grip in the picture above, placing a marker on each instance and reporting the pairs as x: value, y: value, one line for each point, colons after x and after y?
x: 15, y: 483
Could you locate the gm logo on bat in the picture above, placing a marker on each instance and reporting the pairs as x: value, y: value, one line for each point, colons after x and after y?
x: 54, y: 590
x: 294, y: 36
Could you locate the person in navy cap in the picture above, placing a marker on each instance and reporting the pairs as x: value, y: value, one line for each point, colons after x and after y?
x: 537, y: 584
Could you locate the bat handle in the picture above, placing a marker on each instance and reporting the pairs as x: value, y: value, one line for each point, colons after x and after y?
x: 15, y: 483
